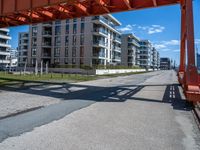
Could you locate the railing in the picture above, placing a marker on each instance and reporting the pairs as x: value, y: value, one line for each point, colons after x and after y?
x: 100, y: 30
x: 100, y: 43
x: 47, y: 33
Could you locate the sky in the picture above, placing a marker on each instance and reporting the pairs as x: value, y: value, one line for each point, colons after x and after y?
x: 159, y: 25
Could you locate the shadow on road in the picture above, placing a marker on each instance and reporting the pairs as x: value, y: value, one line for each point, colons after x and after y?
x: 63, y: 91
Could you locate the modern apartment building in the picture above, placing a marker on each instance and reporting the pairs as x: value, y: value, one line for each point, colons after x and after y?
x: 82, y: 41
x: 130, y: 47
x: 155, y: 63
x: 23, y: 45
x: 165, y: 63
x: 145, y: 57
x: 4, y: 46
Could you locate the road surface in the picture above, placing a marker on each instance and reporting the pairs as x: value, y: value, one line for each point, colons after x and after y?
x: 137, y: 112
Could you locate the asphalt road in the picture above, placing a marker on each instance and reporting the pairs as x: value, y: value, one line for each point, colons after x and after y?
x: 137, y: 112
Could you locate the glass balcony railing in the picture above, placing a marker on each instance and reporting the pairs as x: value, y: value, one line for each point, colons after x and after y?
x: 100, y: 30
x: 47, y: 33
x: 100, y: 43
x: 103, y: 19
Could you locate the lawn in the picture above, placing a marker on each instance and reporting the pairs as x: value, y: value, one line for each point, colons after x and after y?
x: 5, y: 78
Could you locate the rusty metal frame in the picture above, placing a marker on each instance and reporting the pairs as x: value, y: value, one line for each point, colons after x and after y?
x: 21, y: 12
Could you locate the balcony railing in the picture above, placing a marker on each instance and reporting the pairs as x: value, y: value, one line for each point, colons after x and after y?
x: 47, y: 33
x: 103, y: 19
x: 46, y: 44
x: 100, y: 30
x: 99, y: 43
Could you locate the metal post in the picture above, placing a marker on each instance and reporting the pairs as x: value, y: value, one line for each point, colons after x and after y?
x: 191, y: 77
x: 183, y: 42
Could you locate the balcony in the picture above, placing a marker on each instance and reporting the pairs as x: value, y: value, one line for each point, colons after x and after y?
x: 117, y: 49
x: 4, y: 61
x: 46, y: 44
x: 47, y: 33
x: 117, y: 58
x: 117, y: 39
x: 4, y: 53
x: 5, y: 45
x: 4, y: 36
x: 100, y: 43
x: 100, y: 31
x: 46, y: 55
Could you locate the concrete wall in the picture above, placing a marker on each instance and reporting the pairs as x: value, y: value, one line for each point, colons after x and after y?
x: 82, y: 71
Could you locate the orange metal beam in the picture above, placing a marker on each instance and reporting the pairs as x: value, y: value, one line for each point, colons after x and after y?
x: 49, y: 10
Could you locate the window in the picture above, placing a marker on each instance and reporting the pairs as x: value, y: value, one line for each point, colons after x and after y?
x: 73, y: 61
x: 82, y: 27
x: 67, y: 20
x: 57, y: 41
x: 82, y: 40
x: 57, y: 52
x: 66, y: 61
x: 57, y: 30
x: 56, y: 60
x: 74, y: 40
x: 82, y: 18
x: 74, y: 20
x: 57, y: 22
x: 34, y: 31
x: 74, y: 28
x: 67, y: 29
x: 73, y: 51
x: 66, y: 52
x: 34, y: 51
x: 66, y: 41
x: 81, y: 51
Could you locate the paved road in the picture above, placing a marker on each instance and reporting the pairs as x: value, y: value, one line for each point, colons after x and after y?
x: 137, y: 112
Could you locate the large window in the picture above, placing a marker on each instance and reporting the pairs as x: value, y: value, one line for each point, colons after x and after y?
x: 73, y: 51
x: 57, y: 52
x: 81, y: 51
x: 74, y: 40
x: 66, y: 41
x: 57, y: 41
x: 81, y: 39
x: 57, y: 30
x: 66, y: 51
x: 67, y: 29
x: 74, y: 28
x: 34, y: 31
x: 82, y: 27
x: 34, y: 50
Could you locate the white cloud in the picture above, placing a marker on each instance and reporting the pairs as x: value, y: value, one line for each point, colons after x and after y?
x: 171, y: 42
x: 155, y: 29
x: 197, y: 41
x: 159, y: 46
x: 152, y: 29
x: 176, y: 50
x: 126, y: 28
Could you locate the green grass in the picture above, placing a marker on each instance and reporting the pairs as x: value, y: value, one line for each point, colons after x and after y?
x: 6, y: 78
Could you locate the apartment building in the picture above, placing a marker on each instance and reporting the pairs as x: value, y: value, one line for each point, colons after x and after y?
x: 165, y: 63
x: 130, y: 47
x: 4, y: 46
x: 81, y: 41
x: 23, y: 45
x: 155, y: 63
x: 198, y: 61
x: 145, y: 57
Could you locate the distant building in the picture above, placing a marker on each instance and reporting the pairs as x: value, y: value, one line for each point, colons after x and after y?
x: 4, y: 47
x: 198, y: 61
x: 165, y: 63
x: 145, y: 54
x: 23, y: 45
x: 155, y: 59
x: 130, y: 46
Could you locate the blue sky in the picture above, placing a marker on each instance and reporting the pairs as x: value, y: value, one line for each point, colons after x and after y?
x: 159, y: 25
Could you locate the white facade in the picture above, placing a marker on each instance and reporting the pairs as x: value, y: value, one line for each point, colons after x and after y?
x: 4, y: 46
x: 145, y: 56
x: 130, y: 46
x: 83, y: 41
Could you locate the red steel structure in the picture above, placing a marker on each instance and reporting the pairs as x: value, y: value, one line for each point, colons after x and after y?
x: 21, y: 12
